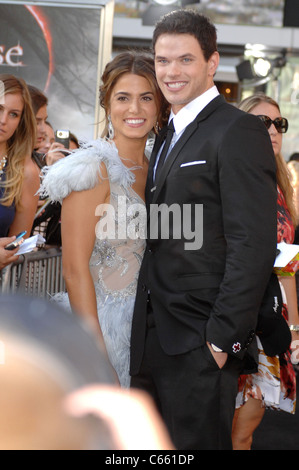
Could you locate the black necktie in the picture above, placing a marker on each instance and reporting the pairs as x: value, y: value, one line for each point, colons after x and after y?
x: 169, y: 136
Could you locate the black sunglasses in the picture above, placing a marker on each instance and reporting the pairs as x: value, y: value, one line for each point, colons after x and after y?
x: 281, y: 124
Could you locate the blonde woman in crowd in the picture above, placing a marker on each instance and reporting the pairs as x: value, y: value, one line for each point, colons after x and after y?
x: 274, y: 386
x: 19, y: 177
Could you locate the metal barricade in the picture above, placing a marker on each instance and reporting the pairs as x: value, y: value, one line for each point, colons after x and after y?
x: 38, y: 274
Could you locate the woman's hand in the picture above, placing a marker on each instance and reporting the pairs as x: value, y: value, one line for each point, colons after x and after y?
x: 54, y: 154
x: 220, y: 357
x: 295, y: 347
x: 7, y: 257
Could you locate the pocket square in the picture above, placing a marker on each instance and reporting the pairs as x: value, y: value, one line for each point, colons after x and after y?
x: 199, y: 162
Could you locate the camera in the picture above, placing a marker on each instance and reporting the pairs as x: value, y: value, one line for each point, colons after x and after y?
x: 18, y: 241
x: 63, y: 137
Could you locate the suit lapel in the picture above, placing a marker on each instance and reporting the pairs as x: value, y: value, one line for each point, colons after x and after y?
x: 209, y: 109
x: 150, y: 181
x: 172, y: 158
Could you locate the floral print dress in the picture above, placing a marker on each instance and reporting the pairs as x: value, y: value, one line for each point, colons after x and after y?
x: 275, y: 382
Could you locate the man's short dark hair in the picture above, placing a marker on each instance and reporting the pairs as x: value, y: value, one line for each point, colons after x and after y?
x: 190, y: 22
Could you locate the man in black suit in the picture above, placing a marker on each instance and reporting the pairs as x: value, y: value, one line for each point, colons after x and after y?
x: 197, y: 302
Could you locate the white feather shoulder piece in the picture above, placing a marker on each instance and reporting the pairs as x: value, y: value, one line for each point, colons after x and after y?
x: 81, y: 170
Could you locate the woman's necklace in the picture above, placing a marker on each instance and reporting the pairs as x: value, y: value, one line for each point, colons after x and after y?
x: 3, y: 164
x: 137, y: 166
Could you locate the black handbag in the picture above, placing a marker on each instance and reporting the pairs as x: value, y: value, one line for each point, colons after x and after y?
x: 272, y: 328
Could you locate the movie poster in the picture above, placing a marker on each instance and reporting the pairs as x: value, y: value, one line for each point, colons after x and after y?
x: 55, y: 49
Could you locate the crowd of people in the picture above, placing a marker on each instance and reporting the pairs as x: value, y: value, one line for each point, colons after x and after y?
x: 196, y: 329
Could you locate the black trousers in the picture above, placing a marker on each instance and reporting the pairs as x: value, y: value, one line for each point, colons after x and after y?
x: 196, y: 398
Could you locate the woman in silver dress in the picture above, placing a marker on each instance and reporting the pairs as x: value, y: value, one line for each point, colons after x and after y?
x: 101, y: 187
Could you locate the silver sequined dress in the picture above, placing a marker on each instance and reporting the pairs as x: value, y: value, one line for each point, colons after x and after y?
x: 120, y: 241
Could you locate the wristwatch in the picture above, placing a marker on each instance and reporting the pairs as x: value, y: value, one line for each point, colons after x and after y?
x: 294, y: 328
x: 215, y: 348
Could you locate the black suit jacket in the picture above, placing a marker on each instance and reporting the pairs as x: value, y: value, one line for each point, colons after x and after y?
x: 223, y: 164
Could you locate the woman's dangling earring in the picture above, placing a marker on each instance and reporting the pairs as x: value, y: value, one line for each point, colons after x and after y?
x: 110, y: 128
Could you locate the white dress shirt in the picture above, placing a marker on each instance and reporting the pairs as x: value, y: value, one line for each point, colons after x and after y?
x: 186, y: 115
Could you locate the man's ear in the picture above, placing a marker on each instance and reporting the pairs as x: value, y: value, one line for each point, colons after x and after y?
x: 213, y: 63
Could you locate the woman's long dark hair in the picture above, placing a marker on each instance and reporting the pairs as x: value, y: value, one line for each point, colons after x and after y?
x: 137, y: 63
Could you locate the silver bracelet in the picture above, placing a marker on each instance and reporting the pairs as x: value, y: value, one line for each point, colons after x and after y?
x: 294, y: 328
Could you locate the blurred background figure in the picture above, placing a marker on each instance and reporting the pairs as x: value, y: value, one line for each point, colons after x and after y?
x: 294, y: 157
x: 46, y: 354
x: 40, y: 109
x: 54, y: 375
x: 32, y: 416
x: 45, y: 136
x: 47, y: 221
x: 74, y: 142
x: 47, y: 218
x: 133, y: 419
x: 49, y: 139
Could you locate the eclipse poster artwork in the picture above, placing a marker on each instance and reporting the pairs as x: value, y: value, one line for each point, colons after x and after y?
x: 52, y: 49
